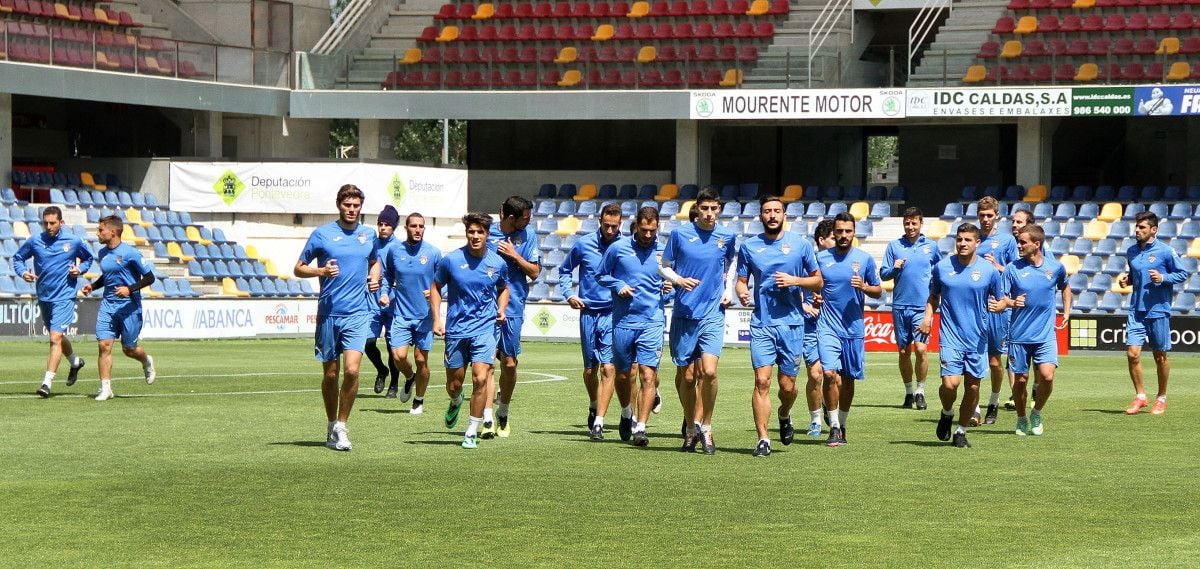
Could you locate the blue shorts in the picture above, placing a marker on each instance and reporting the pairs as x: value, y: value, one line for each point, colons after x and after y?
x: 777, y: 345
x: 905, y: 324
x: 1019, y: 355
x: 843, y: 355
x: 58, y: 315
x: 405, y: 332
x: 641, y: 345
x: 1154, y: 333
x: 124, y: 323
x: 956, y: 362
x: 337, y: 334
x: 379, y: 321
x: 812, y: 352
x: 998, y: 332
x: 461, y: 351
x: 509, y: 340
x: 596, y: 338
x: 691, y: 338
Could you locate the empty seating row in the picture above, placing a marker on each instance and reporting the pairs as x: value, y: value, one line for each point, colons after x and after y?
x: 1094, y: 23
x: 606, y: 54
x: 1099, y: 47
x: 1110, y: 212
x: 69, y: 12
x: 603, y: 9
x: 1133, y: 72
x: 45, y: 179
x: 1089, y: 4
x: 569, y: 78
x: 603, y: 32
x: 1083, y: 193
x: 746, y: 191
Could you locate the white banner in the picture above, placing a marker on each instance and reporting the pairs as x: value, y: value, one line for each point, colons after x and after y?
x: 191, y: 319
x: 798, y: 104
x: 990, y: 102
x: 310, y: 187
x: 561, y: 322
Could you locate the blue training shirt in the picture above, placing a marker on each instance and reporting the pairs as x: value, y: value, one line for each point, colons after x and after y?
x: 411, y: 267
x: 52, y: 259
x: 1153, y: 300
x: 354, y: 249
x: 525, y: 241
x: 587, y: 254
x: 965, y: 291
x: 1002, y: 246
x: 842, y: 311
x: 912, y: 280
x: 626, y: 263
x: 382, y: 248
x: 704, y: 255
x: 760, y: 258
x: 122, y: 265
x: 1034, y: 322
x: 473, y: 286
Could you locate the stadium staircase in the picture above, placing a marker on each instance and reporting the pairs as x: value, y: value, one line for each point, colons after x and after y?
x: 953, y: 49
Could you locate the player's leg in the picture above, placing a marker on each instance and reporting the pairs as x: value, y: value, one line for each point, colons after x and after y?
x: 399, y: 360
x: 997, y: 346
x: 709, y: 343
x: 329, y: 390
x: 1046, y: 370
x: 903, y: 333
x: 760, y: 401
x: 376, y: 358
x: 952, y: 369
x: 481, y: 374
x: 104, y: 363
x: 1135, y: 337
x: 131, y: 330
x: 351, y: 359
x: 648, y: 346
x: 966, y: 410
x: 813, y: 387
x: 853, y: 371
x: 624, y: 354
x: 420, y: 380
x: 1158, y: 335
x: 1018, y: 363
x: 510, y: 349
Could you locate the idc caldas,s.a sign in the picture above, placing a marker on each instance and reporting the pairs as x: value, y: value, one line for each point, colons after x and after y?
x: 997, y: 102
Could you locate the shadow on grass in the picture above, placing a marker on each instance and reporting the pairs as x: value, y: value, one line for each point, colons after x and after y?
x: 457, y: 442
x: 386, y: 411
x: 896, y: 407
x: 298, y: 443
x: 1106, y: 411
x: 921, y: 443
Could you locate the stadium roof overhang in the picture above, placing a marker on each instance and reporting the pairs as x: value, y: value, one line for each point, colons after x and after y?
x: 496, y: 105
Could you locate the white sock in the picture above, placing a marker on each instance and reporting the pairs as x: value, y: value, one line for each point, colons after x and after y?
x: 599, y: 422
x: 48, y: 378
x: 502, y: 409
x: 706, y: 428
x: 627, y: 412
x: 473, y: 426
x: 814, y: 416
x: 1141, y: 396
x: 487, y: 415
x: 995, y: 400
x: 640, y: 427
x: 947, y: 412
x: 106, y: 384
x: 842, y: 416
x: 977, y: 409
x: 70, y: 358
x: 339, y: 425
x: 835, y: 418
x: 457, y: 400
x: 908, y: 388
x: 960, y: 430
x: 761, y: 441
x: 1162, y: 398
x: 921, y: 387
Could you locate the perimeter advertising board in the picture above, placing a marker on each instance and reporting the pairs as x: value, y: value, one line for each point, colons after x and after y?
x: 989, y: 102
x: 815, y: 104
x: 1107, y: 332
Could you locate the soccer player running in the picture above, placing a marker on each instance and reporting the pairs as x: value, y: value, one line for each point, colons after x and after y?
x: 849, y: 275
x: 813, y: 389
x: 781, y: 264
x: 698, y: 262
x: 381, y: 317
x: 476, y: 281
x: 123, y: 273
x: 999, y: 249
x: 348, y: 272
x: 1021, y: 218
x: 58, y: 259
x: 965, y: 287
x: 909, y: 261
x: 1154, y: 269
x: 516, y: 242
x: 411, y: 265
x: 594, y: 303
x: 1030, y: 284
x: 630, y: 270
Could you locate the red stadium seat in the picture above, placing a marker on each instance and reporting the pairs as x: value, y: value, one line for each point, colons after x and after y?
x: 1078, y: 47
x: 620, y: 9
x: 989, y: 50
x: 667, y: 53
x: 679, y: 8
x: 1099, y: 47
x: 644, y: 31
x: 543, y: 10
x: 509, y: 55
x: 748, y: 53
x: 660, y: 10
x: 708, y: 52
x: 428, y: 34
x: 1018, y: 4
x: 470, y: 55
x: 1065, y: 73
x: 505, y: 11
x: 779, y: 7
x: 1071, y: 23
x: 1039, y: 4
x: 718, y: 8
x: 562, y: 10
x: 1056, y: 47
x: 453, y: 79
x: 699, y: 8
x: 689, y: 52
x: 739, y: 7
x: 744, y: 30
x: 1123, y: 46
x: 1033, y: 48
x: 487, y: 33
x: 1183, y: 21
x: 468, y: 33
x: 582, y: 10
x: 727, y: 52
x: 764, y: 30
x: 565, y: 32
x: 1004, y: 25
x: 452, y: 55
x: 601, y: 10
x: 1145, y: 46
x: 1114, y: 23
x: 723, y: 30
x: 664, y: 31
x: 626, y: 54
x: 1020, y: 74
x: 1137, y: 21
x: 673, y: 78
x: 1134, y: 72
x: 545, y: 32
x: 1160, y: 21
x: 446, y: 12
x: 703, y: 30
x: 684, y: 30
x: 584, y: 32
x: 524, y: 10
x: 651, y: 78
x: 1154, y: 72
x: 1093, y: 23
x: 623, y: 32
x: 1042, y: 73
x: 1190, y: 45
x: 431, y: 55
x: 507, y: 32
x: 465, y: 11
x: 1048, y: 24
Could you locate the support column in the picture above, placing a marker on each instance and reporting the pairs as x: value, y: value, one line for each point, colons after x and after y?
x: 208, y: 129
x: 368, y: 139
x: 6, y: 140
x: 687, y: 152
x: 1035, y: 150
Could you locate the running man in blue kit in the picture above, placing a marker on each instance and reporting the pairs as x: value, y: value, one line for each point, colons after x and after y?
x: 411, y: 265
x: 909, y: 261
x: 999, y: 249
x: 381, y: 320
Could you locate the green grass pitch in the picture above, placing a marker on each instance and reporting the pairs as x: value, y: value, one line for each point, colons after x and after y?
x: 222, y: 463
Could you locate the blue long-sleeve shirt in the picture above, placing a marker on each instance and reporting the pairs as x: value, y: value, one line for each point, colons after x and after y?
x: 628, y: 264
x: 52, y: 261
x: 587, y: 254
x: 912, y: 280
x: 1149, y: 298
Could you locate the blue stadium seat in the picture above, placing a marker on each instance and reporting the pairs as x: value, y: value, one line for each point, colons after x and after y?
x: 1104, y: 193
x: 799, y: 226
x: 1021, y: 206
x: 82, y: 198
x: 6, y: 230
x: 1192, y: 285
x: 24, y: 288
x: 1052, y: 229
x: 185, y: 218
x: 627, y: 192
x: 669, y: 208
x: 227, y: 270
x: 226, y: 251
x: 160, y: 250
x: 898, y: 194
x: 1127, y: 194
x: 173, y: 218
x: 7, y: 195
x: 628, y: 208
x: 1189, y: 229
x: 546, y: 225
x: 539, y: 292
x: 553, y: 259
x: 753, y: 227
x: 1091, y: 265
x: 1106, y: 247
x: 252, y: 286
x: 1189, y: 264
x: 794, y: 209
x: 993, y: 191
x: 1119, y: 229
x: 1059, y: 193
x: 607, y: 192
x: 588, y: 208
x: 730, y: 210
x: 294, y: 289
x: 1192, y: 194
x: 1081, y: 247
x: 567, y: 208
x: 566, y: 191
x: 863, y: 229
x: 569, y: 241
x: 1150, y: 193
x: 1059, y: 246
x: 1166, y: 229
x: 193, y: 252
x: 877, y: 194
x: 205, y: 233
x: 1086, y: 302
x: 154, y: 234
x: 751, y: 209
x: 853, y: 194
x: 1160, y: 209
x: 946, y: 245
x: 270, y: 289
x: 589, y: 225
x: 1180, y: 211
x: 547, y: 191
x: 1185, y: 303
x: 550, y: 242
x: 56, y: 196
x: 545, y: 207
x: 239, y: 252
x: 1043, y: 210
x: 880, y: 210
x: 1111, y: 302
x: 1088, y: 211
x: 813, y: 193
x: 124, y: 199
x: 729, y: 192
x: 1081, y: 193
x: 208, y: 269
x: 815, y: 210
x: 194, y: 269
x: 688, y: 192
x: 1064, y: 211
x: 748, y: 191
x: 139, y: 199
x: 1172, y: 193
x: 1072, y: 229
x: 833, y: 193
x: 1014, y: 193
x: 954, y: 210
x: 970, y: 194
x: 972, y: 211
x: 260, y: 269
x: 1100, y: 283
x: 647, y: 191
x: 836, y: 208
x: 1004, y: 227
x: 1179, y: 246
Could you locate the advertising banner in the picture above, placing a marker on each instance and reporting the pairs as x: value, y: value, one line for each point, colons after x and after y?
x: 1167, y: 100
x: 755, y: 104
x: 299, y: 187
x: 1101, y: 101
x: 1107, y: 332
x: 23, y: 317
x: 989, y: 102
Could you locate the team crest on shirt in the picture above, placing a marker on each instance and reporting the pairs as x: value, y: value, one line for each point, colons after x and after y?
x: 362, y: 238
x: 424, y: 259
x: 66, y: 247
x: 855, y: 266
x: 1049, y: 275
x: 518, y: 240
x: 786, y: 248
x: 720, y: 243
x: 1153, y: 258
x: 925, y: 249
x: 120, y: 260
x: 491, y: 271
x: 975, y: 275
x: 995, y: 244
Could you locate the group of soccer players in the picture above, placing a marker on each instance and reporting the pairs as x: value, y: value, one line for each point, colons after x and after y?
x: 996, y: 294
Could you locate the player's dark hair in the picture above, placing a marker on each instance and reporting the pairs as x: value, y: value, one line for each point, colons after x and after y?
x: 913, y: 211
x: 515, y: 206
x: 708, y: 194
x: 113, y: 222
x: 1035, y: 232
x: 647, y: 213
x: 988, y: 203
x: 824, y: 229
x: 1028, y: 214
x: 968, y: 228
x: 476, y: 218
x: 349, y: 191
x: 412, y: 215
x: 843, y: 216
x: 693, y: 213
x: 610, y: 210
x: 52, y: 210
x: 1147, y: 216
x: 768, y: 199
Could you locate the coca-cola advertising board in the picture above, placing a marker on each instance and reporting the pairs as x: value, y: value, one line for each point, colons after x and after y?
x: 880, y: 335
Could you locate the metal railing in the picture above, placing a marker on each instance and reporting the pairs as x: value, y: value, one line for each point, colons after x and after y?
x: 823, y: 26
x: 923, y: 25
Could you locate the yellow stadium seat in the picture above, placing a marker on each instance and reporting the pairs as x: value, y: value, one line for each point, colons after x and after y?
x: 937, y: 229
x: 568, y: 55
x: 103, y: 16
x: 1110, y: 212
x: 1036, y: 194
x: 411, y: 56
x: 88, y: 180
x: 273, y: 270
x: 193, y: 235
x: 5, y: 10
x: 128, y: 236
x: 449, y: 33
x: 1070, y: 263
x: 1087, y: 72
x: 647, y: 54
x: 252, y: 252
x: 975, y: 74
x: 1026, y: 25
x: 1095, y: 230
x: 21, y: 230
x: 666, y: 192
x: 484, y: 12
x: 759, y: 8
x: 732, y: 78
x: 1083, y: 4
x: 102, y: 61
x: 604, y: 32
x: 174, y: 250
x: 639, y: 10
x: 568, y: 225
x: 133, y: 215
x: 685, y: 210
x: 230, y: 288
x: 860, y: 210
x: 1012, y: 48
x: 1168, y: 46
x: 60, y: 11
x: 792, y: 193
x: 571, y: 78
x: 1116, y: 285
x: 1180, y: 70
x: 1194, y: 249
x: 585, y: 193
